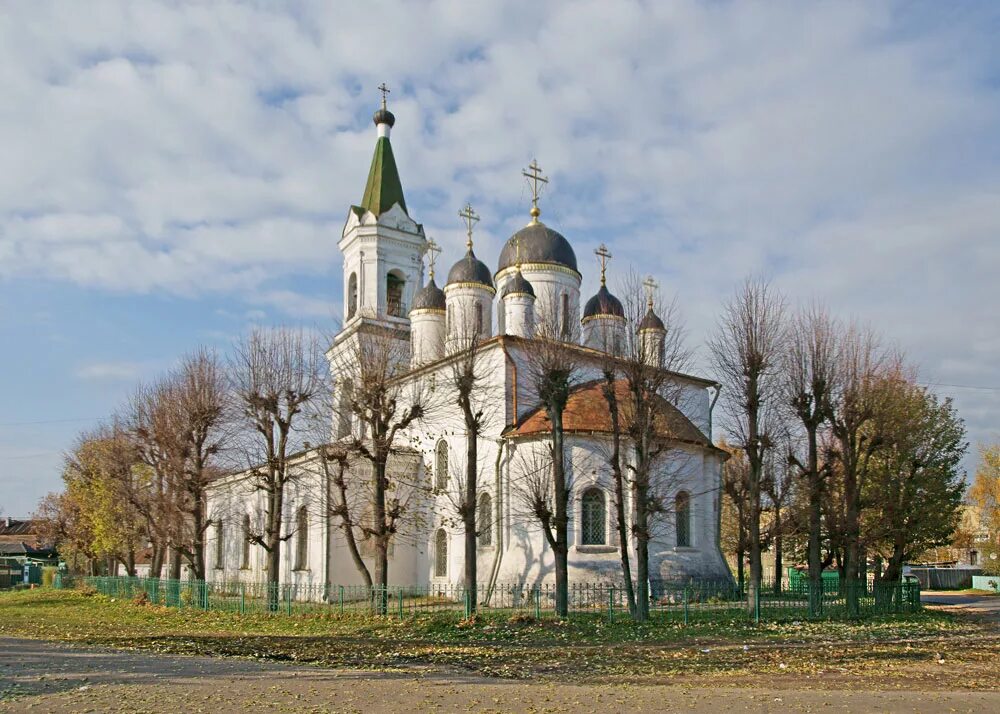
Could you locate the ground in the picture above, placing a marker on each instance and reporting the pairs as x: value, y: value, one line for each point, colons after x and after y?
x: 934, y: 662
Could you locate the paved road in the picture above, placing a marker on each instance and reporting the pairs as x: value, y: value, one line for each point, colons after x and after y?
x: 48, y: 677
x: 986, y: 607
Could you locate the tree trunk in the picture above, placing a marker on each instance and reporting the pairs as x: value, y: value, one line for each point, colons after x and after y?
x: 852, y: 549
x: 175, y: 564
x: 380, y: 598
x: 815, y: 523
x: 198, y: 541
x: 469, y: 519
x: 156, y: 560
x: 778, y: 542
x: 275, y: 498
x: 561, y: 520
x: 618, y: 477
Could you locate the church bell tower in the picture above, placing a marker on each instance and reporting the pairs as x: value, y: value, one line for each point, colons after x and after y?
x: 383, y: 250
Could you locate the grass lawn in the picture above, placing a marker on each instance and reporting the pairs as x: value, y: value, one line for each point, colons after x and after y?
x: 930, y: 648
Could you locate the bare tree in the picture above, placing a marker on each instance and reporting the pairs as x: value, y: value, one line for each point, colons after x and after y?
x: 746, y: 350
x: 473, y: 398
x: 810, y: 374
x: 640, y: 388
x: 275, y: 375
x: 554, y: 371
x: 385, y: 406
x: 862, y: 366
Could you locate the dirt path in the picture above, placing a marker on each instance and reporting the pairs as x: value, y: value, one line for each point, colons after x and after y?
x: 42, y: 676
x: 983, y: 607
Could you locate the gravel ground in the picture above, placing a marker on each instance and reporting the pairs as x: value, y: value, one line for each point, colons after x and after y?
x: 47, y: 677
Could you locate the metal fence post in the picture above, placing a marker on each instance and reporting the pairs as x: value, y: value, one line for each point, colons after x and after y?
x: 538, y: 602
x: 611, y: 604
x: 400, y: 603
x: 341, y: 588
x: 685, y: 604
x: 756, y: 605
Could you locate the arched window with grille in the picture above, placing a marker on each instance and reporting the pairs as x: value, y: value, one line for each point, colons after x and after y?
x: 245, y: 556
x: 484, y: 520
x: 302, y: 539
x: 441, y: 465
x: 394, y: 283
x: 593, y: 518
x: 440, y: 554
x: 682, y: 514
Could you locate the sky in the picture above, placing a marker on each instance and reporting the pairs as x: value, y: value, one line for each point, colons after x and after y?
x: 175, y: 173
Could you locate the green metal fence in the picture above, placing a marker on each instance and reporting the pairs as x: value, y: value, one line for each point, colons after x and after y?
x: 681, y: 603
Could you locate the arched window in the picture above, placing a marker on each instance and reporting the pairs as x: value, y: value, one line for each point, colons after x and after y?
x: 484, y: 520
x: 245, y: 556
x: 220, y: 546
x: 565, y: 315
x: 479, y: 318
x: 394, y: 283
x: 682, y: 512
x: 441, y: 465
x: 440, y: 554
x: 352, y: 295
x: 302, y: 539
x: 593, y: 516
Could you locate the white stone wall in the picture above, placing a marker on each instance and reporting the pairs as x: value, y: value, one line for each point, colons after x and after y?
x: 427, y: 332
x: 605, y: 333
x: 518, y: 315
x: 463, y: 300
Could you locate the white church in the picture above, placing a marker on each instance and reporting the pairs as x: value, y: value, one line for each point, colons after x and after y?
x: 537, y: 277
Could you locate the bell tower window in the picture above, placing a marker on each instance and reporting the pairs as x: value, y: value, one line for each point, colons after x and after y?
x: 394, y: 284
x: 352, y: 295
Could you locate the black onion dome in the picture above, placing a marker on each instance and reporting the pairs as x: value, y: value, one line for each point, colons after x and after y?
x: 470, y: 270
x: 538, y: 244
x: 429, y: 297
x: 604, y: 303
x: 384, y: 116
x: 652, y: 322
x: 518, y: 285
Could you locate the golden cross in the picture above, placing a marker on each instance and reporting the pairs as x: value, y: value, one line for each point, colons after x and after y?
x: 432, y: 253
x: 651, y: 286
x: 603, y: 256
x: 534, y: 175
x: 471, y: 218
x: 385, y: 90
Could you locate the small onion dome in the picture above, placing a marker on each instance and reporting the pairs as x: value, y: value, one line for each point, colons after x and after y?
x: 539, y: 244
x: 429, y: 297
x: 518, y: 285
x: 384, y: 116
x: 603, y: 304
x: 470, y: 270
x: 651, y: 322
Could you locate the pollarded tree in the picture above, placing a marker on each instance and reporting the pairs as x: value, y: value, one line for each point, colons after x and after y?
x: 553, y: 371
x: 384, y: 406
x: 747, y: 351
x: 275, y: 378
x: 810, y: 382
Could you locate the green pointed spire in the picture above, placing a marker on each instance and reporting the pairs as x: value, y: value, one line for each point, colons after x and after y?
x: 384, y: 187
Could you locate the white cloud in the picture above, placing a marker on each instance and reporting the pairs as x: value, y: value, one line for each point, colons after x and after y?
x: 111, y: 371
x: 849, y: 150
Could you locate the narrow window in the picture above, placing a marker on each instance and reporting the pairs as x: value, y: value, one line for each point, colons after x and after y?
x: 352, y: 295
x: 302, y: 539
x: 245, y: 557
x: 565, y: 315
x: 593, y: 516
x: 484, y: 520
x: 682, y: 512
x: 479, y: 318
x: 344, y: 408
x: 440, y: 554
x: 220, y: 546
x: 441, y: 465
x: 973, y: 557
